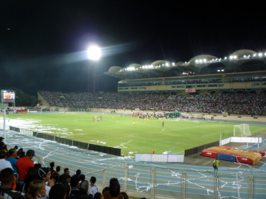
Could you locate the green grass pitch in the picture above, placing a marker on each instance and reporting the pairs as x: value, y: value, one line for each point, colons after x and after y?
x: 144, y: 137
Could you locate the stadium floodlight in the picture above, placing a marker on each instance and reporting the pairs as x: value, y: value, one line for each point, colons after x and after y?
x: 235, y: 57
x: 225, y: 57
x: 94, y: 53
x: 264, y: 54
x: 204, y: 60
x: 166, y: 64
x: 200, y: 61
x: 173, y: 63
x: 222, y: 70
x: 197, y: 61
x: 254, y: 55
x: 260, y: 54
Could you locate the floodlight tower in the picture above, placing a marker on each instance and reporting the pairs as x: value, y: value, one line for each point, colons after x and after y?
x: 94, y: 54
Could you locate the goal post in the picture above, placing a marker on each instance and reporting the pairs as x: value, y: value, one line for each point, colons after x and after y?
x: 242, y: 130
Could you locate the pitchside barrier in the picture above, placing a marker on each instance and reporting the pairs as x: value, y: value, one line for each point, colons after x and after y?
x: 82, y: 145
x: 199, y: 149
x: 159, y: 158
x: 241, y: 140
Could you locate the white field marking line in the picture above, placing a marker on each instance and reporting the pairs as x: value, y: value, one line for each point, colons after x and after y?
x: 171, y: 130
x: 212, y: 134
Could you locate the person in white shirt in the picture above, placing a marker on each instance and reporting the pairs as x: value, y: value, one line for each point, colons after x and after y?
x: 3, y: 163
x: 93, y: 188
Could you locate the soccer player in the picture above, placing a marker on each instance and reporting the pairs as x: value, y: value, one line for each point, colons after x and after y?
x: 134, y: 123
x: 159, y: 119
x: 113, y: 117
x: 162, y: 124
x: 147, y: 119
x: 96, y: 121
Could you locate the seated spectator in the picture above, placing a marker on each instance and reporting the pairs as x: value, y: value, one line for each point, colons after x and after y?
x: 57, y: 170
x: 36, y: 190
x: 23, y: 165
x: 98, y: 195
x: 11, y: 157
x: 93, y: 187
x: 2, y: 144
x: 7, y: 179
x: 44, y: 174
x: 58, y: 191
x: 114, y: 191
x: 3, y: 163
x: 31, y: 176
x: 52, y: 167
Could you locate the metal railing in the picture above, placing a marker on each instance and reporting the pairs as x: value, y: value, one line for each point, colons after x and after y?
x: 155, y: 182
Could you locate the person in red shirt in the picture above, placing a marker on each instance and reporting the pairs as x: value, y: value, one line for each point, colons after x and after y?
x: 23, y: 165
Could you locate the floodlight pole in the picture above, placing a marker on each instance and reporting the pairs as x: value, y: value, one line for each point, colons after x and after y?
x: 4, y: 124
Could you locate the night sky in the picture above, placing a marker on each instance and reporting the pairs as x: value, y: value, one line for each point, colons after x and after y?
x: 43, y: 43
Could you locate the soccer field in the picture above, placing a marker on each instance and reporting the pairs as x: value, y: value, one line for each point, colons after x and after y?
x: 144, y: 137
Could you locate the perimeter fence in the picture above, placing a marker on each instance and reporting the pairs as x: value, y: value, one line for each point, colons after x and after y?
x: 155, y: 182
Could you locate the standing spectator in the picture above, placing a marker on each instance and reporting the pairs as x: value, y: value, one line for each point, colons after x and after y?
x: 2, y: 144
x: 66, y: 173
x: 93, y: 188
x: 114, y: 191
x: 11, y: 157
x: 52, y: 167
x: 31, y: 176
x: 23, y: 165
x: 36, y: 190
x: 216, y: 165
x: 98, y: 195
x: 78, y: 172
x: 44, y: 174
x: 75, y: 192
x: 3, y: 163
x: 58, y: 191
x: 7, y: 179
x: 125, y: 195
x: 57, y: 170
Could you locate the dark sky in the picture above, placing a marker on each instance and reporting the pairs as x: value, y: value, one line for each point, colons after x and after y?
x: 44, y: 48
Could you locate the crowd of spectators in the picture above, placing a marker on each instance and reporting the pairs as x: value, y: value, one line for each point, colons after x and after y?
x: 21, y: 178
x: 233, y: 103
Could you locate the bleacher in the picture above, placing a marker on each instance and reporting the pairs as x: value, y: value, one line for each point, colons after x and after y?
x: 233, y: 103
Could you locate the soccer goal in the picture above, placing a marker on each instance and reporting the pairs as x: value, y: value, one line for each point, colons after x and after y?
x: 242, y: 130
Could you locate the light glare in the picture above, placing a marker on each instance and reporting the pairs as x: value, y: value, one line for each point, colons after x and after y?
x: 94, y: 53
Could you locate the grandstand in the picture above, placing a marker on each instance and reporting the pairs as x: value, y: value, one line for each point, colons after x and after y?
x: 243, y: 70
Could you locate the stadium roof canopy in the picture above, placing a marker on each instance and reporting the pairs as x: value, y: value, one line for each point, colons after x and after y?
x: 197, y: 64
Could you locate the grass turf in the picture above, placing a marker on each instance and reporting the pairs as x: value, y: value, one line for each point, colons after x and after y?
x: 144, y: 137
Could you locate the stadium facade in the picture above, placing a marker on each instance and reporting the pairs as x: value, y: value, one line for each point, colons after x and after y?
x: 243, y: 70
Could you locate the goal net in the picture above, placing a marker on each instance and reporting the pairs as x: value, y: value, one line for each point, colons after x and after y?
x: 242, y: 130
